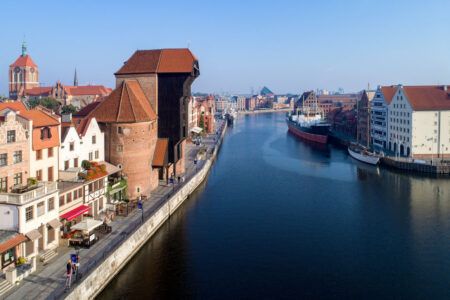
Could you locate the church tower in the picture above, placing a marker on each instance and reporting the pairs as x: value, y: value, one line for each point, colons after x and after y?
x: 23, y: 74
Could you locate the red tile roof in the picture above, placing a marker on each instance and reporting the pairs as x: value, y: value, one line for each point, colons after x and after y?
x: 159, y: 61
x: 88, y: 109
x: 38, y: 91
x: 24, y: 61
x: 428, y: 97
x: 39, y: 118
x: 13, y: 105
x: 161, y: 154
x: 87, y: 90
x: 13, y: 240
x: 388, y: 93
x: 126, y: 104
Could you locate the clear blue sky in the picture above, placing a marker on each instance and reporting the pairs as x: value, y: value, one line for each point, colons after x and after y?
x: 289, y: 46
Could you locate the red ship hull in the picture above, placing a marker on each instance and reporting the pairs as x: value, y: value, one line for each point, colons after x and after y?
x: 316, y: 138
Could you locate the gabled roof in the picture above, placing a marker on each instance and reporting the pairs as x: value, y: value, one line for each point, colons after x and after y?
x: 39, y: 118
x: 428, y: 97
x: 38, y: 91
x: 126, y: 104
x: 24, y: 61
x: 87, y: 109
x: 159, y: 61
x: 266, y: 91
x: 388, y: 93
x: 87, y: 90
x: 13, y: 105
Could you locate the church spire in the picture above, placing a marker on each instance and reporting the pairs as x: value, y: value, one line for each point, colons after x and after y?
x: 24, y: 48
x: 75, y: 78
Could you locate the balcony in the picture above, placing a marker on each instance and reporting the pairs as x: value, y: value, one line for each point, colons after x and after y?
x: 29, y: 193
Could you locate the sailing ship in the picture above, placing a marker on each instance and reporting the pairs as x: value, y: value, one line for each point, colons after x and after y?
x: 357, y: 150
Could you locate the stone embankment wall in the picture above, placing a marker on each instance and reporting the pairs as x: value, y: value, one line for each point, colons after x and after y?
x: 100, y: 277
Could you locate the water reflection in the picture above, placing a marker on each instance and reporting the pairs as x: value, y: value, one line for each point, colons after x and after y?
x: 279, y: 218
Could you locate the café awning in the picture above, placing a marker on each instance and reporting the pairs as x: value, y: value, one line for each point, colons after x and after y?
x: 87, y: 225
x: 33, y: 235
x: 72, y: 214
x: 55, y: 223
x: 196, y: 130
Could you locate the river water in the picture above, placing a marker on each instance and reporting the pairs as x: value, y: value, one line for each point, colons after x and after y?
x: 279, y: 218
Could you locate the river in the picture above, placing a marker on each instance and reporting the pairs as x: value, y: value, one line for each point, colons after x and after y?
x: 279, y: 218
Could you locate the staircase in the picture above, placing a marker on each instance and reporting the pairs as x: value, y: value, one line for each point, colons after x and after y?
x: 5, y: 286
x: 47, y: 256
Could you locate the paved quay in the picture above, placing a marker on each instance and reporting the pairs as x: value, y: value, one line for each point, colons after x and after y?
x: 48, y: 281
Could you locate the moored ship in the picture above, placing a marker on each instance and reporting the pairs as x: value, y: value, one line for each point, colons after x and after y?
x: 308, y: 122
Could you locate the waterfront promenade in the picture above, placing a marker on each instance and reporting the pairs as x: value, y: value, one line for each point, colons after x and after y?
x: 48, y: 281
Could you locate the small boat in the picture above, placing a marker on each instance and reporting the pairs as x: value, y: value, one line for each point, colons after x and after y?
x: 362, y: 154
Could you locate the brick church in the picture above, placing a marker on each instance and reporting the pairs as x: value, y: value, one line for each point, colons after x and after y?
x: 23, y: 75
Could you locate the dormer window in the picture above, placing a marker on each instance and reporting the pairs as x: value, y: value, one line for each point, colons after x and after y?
x: 45, y: 133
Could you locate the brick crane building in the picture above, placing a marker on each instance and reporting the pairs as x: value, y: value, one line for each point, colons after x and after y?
x: 165, y: 76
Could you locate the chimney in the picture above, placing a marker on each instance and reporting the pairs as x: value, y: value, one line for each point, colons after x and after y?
x: 66, y: 118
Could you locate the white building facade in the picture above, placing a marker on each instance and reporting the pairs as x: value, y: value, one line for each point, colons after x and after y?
x: 379, y: 120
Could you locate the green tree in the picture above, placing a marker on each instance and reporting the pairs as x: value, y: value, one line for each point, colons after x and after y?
x: 68, y: 109
x: 202, y: 121
x: 46, y: 102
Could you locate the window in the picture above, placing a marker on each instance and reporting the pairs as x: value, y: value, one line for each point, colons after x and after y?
x: 71, y: 146
x: 101, y: 183
x: 75, y: 162
x: 50, y: 174
x: 51, y: 204
x: 45, y: 133
x: 50, y: 152
x: 3, y: 159
x: 39, y: 175
x: 90, y: 156
x: 80, y: 192
x: 94, y: 140
x: 75, y: 194
x: 96, y: 154
x: 61, y: 201
x: 66, y: 164
x: 40, y: 208
x: 68, y: 197
x: 119, y: 130
x: 38, y: 154
x: 17, y: 157
x: 11, y: 136
x: 29, y: 213
x: 119, y: 148
x: 18, y: 179
x: 4, y: 184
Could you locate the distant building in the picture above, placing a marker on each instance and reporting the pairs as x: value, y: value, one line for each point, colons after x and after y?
x: 265, y: 91
x: 78, y: 96
x: 23, y: 75
x: 240, y: 103
x: 330, y: 102
x: 250, y: 104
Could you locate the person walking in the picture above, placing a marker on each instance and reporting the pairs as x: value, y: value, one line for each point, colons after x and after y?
x: 68, y: 274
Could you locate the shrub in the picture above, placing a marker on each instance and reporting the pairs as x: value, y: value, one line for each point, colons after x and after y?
x: 85, y: 164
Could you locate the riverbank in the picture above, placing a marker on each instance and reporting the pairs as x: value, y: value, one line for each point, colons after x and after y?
x: 48, y: 283
x: 93, y: 283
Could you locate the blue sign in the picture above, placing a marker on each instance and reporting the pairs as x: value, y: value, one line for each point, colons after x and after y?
x: 139, y: 204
